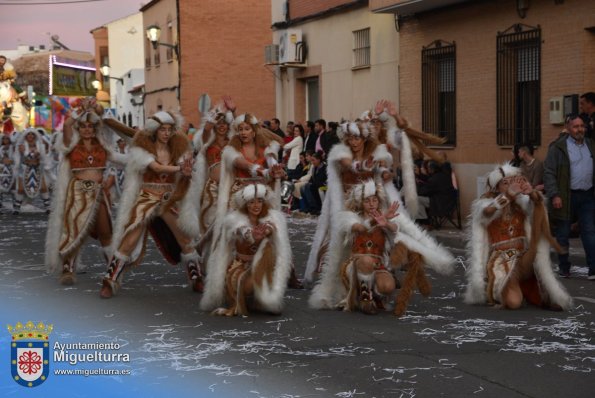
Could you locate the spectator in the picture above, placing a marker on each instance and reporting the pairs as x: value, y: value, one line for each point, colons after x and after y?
x: 310, y: 191
x: 569, y: 180
x: 331, y: 137
x: 447, y: 168
x: 289, y: 132
x: 309, y: 137
x: 294, y: 146
x: 587, y: 107
x: 516, y: 160
x: 319, y: 129
x: 531, y: 168
x: 301, y: 178
x: 276, y: 127
x: 440, y: 191
x: 423, y: 202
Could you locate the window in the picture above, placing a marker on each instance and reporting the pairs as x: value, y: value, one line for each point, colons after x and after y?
x: 129, y: 119
x: 438, y: 90
x: 312, y: 99
x: 169, y: 54
x: 518, y: 80
x: 147, y: 53
x: 361, y: 48
x: 157, y: 57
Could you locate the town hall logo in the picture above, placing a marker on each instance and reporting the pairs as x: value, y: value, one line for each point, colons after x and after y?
x: 30, y: 353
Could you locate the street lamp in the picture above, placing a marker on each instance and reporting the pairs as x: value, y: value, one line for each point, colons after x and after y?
x: 154, y: 33
x: 105, y: 69
x: 96, y: 84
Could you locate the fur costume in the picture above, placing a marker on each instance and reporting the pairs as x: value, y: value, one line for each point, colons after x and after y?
x: 197, y: 217
x: 326, y: 293
x: 53, y: 259
x: 228, y: 180
x: 268, y: 291
x: 118, y: 170
x: 7, y: 171
x: 350, y: 276
x: 142, y: 154
x: 32, y: 176
x: 479, y: 250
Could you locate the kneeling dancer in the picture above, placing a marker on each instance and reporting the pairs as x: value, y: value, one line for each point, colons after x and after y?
x: 367, y: 227
x: 509, y: 249
x: 255, y: 261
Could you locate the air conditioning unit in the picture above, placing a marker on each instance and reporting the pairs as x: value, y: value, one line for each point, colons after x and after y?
x: 271, y: 54
x: 290, y: 46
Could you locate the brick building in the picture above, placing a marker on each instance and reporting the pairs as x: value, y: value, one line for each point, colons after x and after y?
x: 482, y: 74
x: 222, y: 46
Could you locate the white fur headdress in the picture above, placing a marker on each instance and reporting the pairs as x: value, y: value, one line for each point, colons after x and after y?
x: 85, y: 116
x: 160, y: 118
x: 353, y: 128
x: 252, y: 191
x: 500, y: 172
x: 366, y: 116
x: 11, y: 137
x: 365, y: 190
x: 244, y: 118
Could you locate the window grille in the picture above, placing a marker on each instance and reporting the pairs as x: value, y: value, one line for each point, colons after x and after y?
x: 361, y: 48
x: 439, y: 90
x: 518, y: 80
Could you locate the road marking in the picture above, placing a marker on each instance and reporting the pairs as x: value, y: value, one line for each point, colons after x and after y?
x: 587, y: 299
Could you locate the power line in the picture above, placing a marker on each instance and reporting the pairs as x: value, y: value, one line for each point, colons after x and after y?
x: 49, y: 2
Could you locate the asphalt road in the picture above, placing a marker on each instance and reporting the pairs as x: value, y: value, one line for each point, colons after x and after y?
x: 441, y: 347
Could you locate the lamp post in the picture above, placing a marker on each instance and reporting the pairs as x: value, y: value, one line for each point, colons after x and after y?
x: 105, y: 70
x: 154, y: 33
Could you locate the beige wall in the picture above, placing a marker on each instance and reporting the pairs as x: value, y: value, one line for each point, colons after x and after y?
x: 344, y: 92
x: 161, y: 81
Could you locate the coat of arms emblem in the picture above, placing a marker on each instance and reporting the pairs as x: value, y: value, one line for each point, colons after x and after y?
x: 30, y: 353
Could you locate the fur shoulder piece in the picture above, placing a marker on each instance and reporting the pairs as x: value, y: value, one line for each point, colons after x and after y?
x: 339, y: 151
x: 381, y: 154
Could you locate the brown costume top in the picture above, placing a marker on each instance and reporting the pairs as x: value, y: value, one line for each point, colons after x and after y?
x: 505, y: 230
x: 81, y: 158
x: 260, y: 160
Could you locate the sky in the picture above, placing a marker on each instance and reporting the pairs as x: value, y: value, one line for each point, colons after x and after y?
x: 29, y: 23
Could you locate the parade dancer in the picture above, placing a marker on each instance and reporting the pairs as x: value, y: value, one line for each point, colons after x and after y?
x: 368, y: 237
x: 33, y: 169
x: 7, y: 175
x: 509, y: 246
x: 158, y: 176
x: 358, y: 158
x: 249, y: 158
x: 209, y: 143
x: 254, y: 259
x: 81, y: 205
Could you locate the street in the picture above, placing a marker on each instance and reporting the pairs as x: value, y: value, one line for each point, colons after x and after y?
x: 441, y: 347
